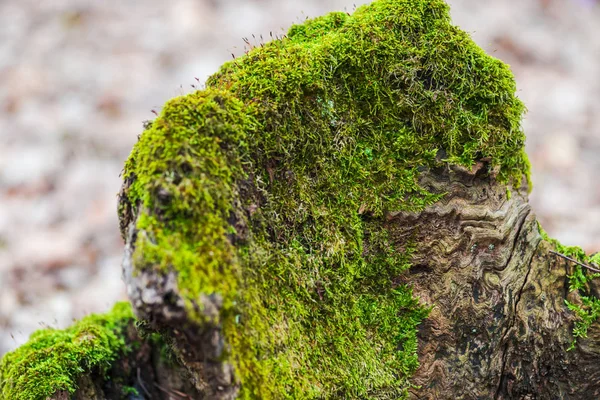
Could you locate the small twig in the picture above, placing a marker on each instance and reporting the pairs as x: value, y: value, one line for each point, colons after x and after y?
x: 575, y: 261
x: 185, y: 396
x: 142, y: 383
x: 174, y: 392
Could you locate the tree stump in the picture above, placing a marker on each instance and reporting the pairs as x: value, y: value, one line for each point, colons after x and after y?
x: 342, y: 213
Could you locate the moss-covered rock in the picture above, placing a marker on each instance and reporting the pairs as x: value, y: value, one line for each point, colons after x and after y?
x: 269, y: 190
x: 54, y: 360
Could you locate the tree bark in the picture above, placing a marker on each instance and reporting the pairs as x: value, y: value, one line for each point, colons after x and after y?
x: 499, y: 327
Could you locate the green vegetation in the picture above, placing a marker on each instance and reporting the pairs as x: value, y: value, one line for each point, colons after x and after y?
x: 53, y: 360
x: 130, y: 390
x: 588, y: 311
x: 270, y: 188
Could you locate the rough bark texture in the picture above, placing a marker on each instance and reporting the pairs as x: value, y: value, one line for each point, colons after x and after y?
x: 499, y: 327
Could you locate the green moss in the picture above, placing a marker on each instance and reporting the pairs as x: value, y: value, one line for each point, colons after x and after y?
x: 130, y: 390
x: 270, y: 188
x: 588, y: 311
x: 53, y: 360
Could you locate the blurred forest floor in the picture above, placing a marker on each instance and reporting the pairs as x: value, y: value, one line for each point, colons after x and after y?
x: 78, y: 77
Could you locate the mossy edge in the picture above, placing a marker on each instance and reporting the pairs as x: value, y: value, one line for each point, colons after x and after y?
x: 53, y: 360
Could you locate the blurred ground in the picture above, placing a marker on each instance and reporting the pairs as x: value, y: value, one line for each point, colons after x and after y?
x: 78, y: 77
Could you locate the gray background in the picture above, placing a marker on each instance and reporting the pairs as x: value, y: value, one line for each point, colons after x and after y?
x: 77, y: 78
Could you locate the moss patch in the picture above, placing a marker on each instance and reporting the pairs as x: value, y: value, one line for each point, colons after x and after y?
x: 588, y: 312
x: 53, y: 360
x: 271, y: 188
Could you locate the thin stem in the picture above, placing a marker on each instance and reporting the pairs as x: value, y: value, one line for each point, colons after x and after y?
x: 575, y: 261
x: 139, y: 376
x: 171, y: 393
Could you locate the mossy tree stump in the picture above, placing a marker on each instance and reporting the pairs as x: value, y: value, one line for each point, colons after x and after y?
x: 342, y: 213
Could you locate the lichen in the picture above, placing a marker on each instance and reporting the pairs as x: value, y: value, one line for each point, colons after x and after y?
x: 270, y: 187
x: 53, y: 360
